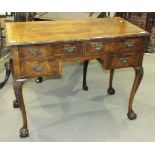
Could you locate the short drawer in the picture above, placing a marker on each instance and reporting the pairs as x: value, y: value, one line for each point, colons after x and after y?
x: 68, y: 49
x: 30, y: 52
x: 94, y: 48
x: 35, y: 68
x: 124, y: 60
x: 124, y: 45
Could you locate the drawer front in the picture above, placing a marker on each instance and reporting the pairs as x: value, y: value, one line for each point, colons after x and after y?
x: 66, y: 49
x: 69, y: 50
x: 94, y: 48
x: 124, y: 60
x: 46, y: 51
x: 128, y: 45
x: 35, y: 51
x: 35, y: 68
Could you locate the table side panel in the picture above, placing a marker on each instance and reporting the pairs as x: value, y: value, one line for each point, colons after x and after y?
x: 16, y: 64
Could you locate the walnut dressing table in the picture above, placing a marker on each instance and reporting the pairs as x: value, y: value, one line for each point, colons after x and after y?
x: 40, y: 48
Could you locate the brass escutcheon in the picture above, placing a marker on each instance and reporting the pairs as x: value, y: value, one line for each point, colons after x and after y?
x: 124, y: 59
x: 129, y: 44
x: 70, y: 49
x: 97, y: 46
x: 34, y: 52
x: 38, y: 68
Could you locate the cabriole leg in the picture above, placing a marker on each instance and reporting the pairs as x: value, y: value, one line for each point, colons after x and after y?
x: 85, y: 66
x: 111, y: 90
x: 138, y: 77
x: 19, y: 98
x: 15, y: 102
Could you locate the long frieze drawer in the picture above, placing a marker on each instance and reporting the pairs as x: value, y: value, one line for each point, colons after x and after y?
x: 125, y: 45
x: 94, y: 47
x: 124, y: 60
x: 35, y: 68
x: 35, y: 51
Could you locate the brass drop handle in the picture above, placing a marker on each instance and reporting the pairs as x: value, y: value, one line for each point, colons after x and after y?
x: 38, y: 68
x: 129, y: 44
x: 97, y: 46
x: 124, y: 59
x: 70, y: 49
x: 34, y: 51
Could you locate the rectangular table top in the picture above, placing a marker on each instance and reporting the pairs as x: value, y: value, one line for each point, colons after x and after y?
x: 21, y: 33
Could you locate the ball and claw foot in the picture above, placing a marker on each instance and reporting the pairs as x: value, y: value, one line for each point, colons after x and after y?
x: 111, y: 91
x: 24, y: 132
x: 85, y: 88
x: 39, y: 80
x: 132, y: 115
x: 15, y: 104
